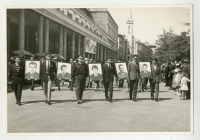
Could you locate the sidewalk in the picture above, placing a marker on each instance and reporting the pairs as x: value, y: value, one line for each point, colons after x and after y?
x: 95, y: 114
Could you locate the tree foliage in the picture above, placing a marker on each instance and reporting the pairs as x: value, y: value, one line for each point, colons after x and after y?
x: 173, y: 46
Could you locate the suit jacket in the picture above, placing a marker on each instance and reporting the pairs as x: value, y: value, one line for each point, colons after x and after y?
x: 156, y: 74
x: 144, y: 75
x: 52, y: 71
x: 124, y: 76
x: 32, y: 76
x: 65, y: 76
x: 171, y: 68
x: 99, y: 77
x: 108, y: 73
x: 133, y: 71
x: 15, y: 76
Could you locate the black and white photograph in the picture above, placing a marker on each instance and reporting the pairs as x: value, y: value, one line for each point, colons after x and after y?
x: 64, y: 71
x: 32, y: 70
x: 95, y: 71
x: 145, y: 69
x: 98, y: 69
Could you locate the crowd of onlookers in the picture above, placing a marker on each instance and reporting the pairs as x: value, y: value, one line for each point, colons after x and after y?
x: 176, y: 75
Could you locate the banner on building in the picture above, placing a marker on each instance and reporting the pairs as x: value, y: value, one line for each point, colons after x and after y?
x: 91, y: 46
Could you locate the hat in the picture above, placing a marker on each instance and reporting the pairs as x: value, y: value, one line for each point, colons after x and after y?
x: 70, y: 59
x: 186, y: 60
x: 155, y: 59
x: 86, y: 59
x: 55, y: 58
x: 135, y: 56
x: 177, y: 70
x: 91, y: 59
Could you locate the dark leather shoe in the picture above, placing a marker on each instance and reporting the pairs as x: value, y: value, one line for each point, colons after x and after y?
x: 110, y: 101
x: 156, y: 99
x: 152, y: 97
x: 142, y: 90
x: 46, y: 102
x: 106, y: 99
x: 49, y: 103
x: 134, y: 99
x: 16, y: 102
x: 58, y: 88
x: 19, y: 103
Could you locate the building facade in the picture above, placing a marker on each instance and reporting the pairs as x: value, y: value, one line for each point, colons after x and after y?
x: 143, y: 51
x: 103, y: 18
x: 66, y: 31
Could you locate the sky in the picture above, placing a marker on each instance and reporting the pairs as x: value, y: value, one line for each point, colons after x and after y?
x: 150, y: 22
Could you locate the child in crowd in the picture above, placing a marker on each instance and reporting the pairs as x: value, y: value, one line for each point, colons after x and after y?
x: 183, y: 86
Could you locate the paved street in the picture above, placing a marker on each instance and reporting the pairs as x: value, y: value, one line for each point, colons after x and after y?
x: 95, y: 114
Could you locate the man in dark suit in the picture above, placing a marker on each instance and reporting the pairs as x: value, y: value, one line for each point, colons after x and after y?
x: 79, y: 73
x: 170, y: 74
x: 155, y: 80
x: 64, y: 74
x: 95, y: 76
x: 57, y: 81
x: 108, y: 77
x: 48, y: 70
x: 145, y: 74
x: 166, y: 72
x: 134, y: 76
x: 16, y: 78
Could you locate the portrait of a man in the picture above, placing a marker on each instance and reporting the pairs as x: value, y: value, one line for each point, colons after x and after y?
x: 95, y: 72
x: 32, y: 70
x: 63, y: 74
x: 121, y: 70
x: 145, y: 70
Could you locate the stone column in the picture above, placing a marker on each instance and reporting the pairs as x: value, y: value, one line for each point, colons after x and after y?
x: 60, y: 39
x: 21, y: 31
x: 65, y: 42
x: 84, y: 39
x: 79, y: 44
x: 40, y: 33
x: 27, y: 38
x: 102, y: 52
x: 105, y: 53
x: 46, y: 35
x: 73, y: 44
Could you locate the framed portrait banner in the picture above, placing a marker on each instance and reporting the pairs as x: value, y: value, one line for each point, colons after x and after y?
x: 64, y: 71
x: 90, y: 46
x: 95, y: 72
x: 32, y: 69
x: 145, y: 69
x: 122, y: 71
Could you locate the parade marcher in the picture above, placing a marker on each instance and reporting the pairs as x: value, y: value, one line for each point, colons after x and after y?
x: 48, y: 70
x: 79, y: 73
x: 186, y: 69
x: 57, y: 81
x: 16, y: 78
x: 128, y: 81
x: 108, y: 77
x: 155, y: 80
x: 134, y: 76
x: 184, y: 85
x: 170, y: 74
